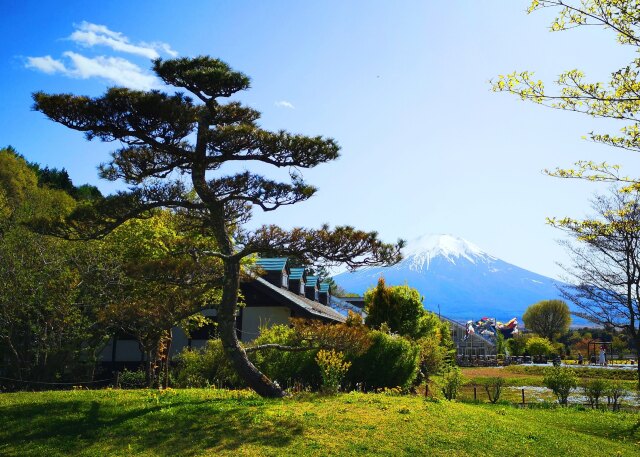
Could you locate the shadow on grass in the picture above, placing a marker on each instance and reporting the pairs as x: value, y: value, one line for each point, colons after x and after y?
x: 182, y: 427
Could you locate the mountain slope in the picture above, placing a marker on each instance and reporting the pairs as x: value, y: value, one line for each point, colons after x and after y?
x: 466, y: 282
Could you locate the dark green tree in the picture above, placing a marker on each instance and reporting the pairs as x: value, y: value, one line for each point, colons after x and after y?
x: 173, y: 155
x: 401, y: 309
x: 49, y: 288
x: 548, y: 318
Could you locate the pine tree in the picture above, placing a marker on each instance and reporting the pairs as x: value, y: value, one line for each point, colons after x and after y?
x: 174, y: 149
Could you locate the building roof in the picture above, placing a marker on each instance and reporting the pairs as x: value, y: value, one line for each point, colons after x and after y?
x: 272, y: 264
x: 355, y: 301
x: 296, y: 273
x: 312, y: 281
x: 298, y: 301
x: 343, y: 306
x: 325, y: 287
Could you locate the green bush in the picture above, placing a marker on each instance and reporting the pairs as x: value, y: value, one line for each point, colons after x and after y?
x: 432, y: 357
x: 206, y: 367
x: 539, y: 346
x: 500, y: 343
x: 614, y: 391
x: 493, y: 387
x: 560, y: 380
x: 288, y: 368
x: 516, y: 345
x: 390, y: 361
x: 333, y: 369
x: 451, y: 382
x: 594, y: 389
x: 132, y: 379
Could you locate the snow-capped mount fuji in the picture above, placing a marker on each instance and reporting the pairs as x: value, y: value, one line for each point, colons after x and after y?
x: 422, y: 250
x: 457, y: 277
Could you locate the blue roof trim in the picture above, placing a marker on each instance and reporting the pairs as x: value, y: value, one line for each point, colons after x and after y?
x: 272, y: 264
x: 296, y: 273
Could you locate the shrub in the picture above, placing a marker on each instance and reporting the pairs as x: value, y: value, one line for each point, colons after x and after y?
x: 288, y: 368
x: 594, y: 389
x: 517, y: 345
x: 432, y: 356
x: 493, y: 387
x: 132, y: 379
x: 390, y: 361
x: 333, y: 368
x: 614, y: 392
x: 538, y: 346
x: 451, y: 382
x: 352, y: 336
x: 559, y: 349
x: 560, y: 380
x: 500, y: 343
x: 205, y: 367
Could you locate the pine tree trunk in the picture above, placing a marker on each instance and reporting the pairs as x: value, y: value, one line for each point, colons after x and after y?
x: 227, y: 326
x: 231, y: 282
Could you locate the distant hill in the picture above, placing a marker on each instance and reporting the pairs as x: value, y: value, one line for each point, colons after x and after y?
x: 465, y: 281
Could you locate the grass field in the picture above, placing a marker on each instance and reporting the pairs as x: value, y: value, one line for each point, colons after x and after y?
x: 219, y: 423
x: 531, y: 377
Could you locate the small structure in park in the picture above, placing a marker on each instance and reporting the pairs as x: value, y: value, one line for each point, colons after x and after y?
x: 599, y: 352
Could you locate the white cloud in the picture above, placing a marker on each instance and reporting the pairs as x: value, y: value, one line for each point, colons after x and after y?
x: 114, y: 69
x: 89, y: 35
x: 46, y: 64
x: 160, y: 46
x: 285, y: 104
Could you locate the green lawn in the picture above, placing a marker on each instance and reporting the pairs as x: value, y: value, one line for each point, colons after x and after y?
x: 216, y: 422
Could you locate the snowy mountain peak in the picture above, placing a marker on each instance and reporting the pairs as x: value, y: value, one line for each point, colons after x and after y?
x: 422, y: 250
x: 457, y: 277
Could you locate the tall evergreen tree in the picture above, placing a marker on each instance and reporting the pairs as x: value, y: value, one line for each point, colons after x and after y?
x: 174, y: 150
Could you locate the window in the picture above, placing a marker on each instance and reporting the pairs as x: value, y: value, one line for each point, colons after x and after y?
x: 285, y: 280
x: 301, y: 287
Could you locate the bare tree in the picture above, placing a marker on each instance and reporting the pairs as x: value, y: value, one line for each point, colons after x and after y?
x: 605, y: 262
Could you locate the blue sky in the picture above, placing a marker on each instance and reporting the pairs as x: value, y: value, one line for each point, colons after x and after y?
x: 403, y: 86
